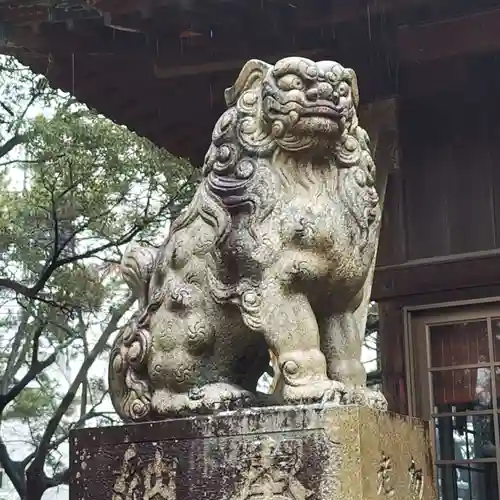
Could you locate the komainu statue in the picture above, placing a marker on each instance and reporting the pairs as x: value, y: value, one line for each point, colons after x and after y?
x: 274, y: 253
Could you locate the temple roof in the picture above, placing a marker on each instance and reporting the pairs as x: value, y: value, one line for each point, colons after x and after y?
x: 161, y: 66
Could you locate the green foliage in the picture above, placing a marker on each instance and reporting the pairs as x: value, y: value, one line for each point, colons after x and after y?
x: 89, y: 186
x: 32, y: 403
x: 75, y: 188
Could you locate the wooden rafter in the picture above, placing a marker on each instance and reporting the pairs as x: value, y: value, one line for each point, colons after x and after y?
x: 473, y: 34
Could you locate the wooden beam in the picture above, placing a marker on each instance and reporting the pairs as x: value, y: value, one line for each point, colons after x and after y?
x: 392, y: 356
x: 381, y: 121
x: 473, y: 34
x: 432, y: 77
x: 221, y: 35
x: 348, y: 10
x: 220, y: 50
x: 219, y: 66
x: 308, y: 18
x: 310, y: 13
x: 437, y: 275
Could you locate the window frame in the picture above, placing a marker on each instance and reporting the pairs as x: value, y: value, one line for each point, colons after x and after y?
x: 417, y: 322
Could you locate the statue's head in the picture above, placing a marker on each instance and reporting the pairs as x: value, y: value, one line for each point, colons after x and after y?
x: 296, y: 107
x: 300, y: 103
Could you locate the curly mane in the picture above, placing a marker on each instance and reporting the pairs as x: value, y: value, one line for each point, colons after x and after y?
x: 238, y: 171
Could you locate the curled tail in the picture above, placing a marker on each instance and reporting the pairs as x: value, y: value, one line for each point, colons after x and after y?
x: 129, y: 385
x: 136, y: 268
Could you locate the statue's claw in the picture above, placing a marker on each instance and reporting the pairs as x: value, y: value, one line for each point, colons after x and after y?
x: 334, y: 394
x: 225, y: 396
x: 324, y: 391
x: 363, y: 396
x: 206, y: 399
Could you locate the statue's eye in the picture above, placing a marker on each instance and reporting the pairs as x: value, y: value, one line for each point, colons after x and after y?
x: 343, y: 89
x: 290, y: 82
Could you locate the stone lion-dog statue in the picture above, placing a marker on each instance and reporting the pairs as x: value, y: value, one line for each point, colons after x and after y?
x: 274, y: 253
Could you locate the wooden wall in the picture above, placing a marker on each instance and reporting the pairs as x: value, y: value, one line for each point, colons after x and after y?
x: 445, y: 199
x: 440, y: 237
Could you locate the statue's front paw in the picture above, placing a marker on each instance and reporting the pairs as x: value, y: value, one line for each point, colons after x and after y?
x: 363, y: 396
x: 170, y: 404
x: 201, y: 400
x: 317, y: 391
x: 222, y: 396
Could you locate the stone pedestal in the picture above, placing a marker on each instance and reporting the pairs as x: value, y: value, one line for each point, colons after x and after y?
x: 286, y: 453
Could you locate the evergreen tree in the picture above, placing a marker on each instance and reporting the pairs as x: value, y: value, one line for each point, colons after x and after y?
x: 75, y: 188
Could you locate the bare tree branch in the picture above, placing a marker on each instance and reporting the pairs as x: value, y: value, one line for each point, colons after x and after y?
x: 36, y: 477
x: 14, y: 351
x: 54, y: 444
x: 7, y: 108
x: 36, y: 367
x: 13, y: 469
x: 11, y: 143
x: 55, y: 263
x: 37, y: 91
x: 85, y: 385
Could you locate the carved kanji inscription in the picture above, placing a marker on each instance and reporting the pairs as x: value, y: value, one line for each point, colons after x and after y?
x: 416, y: 483
x: 138, y: 480
x: 270, y: 471
x: 384, y: 474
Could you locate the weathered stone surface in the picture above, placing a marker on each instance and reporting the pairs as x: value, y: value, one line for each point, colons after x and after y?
x: 284, y: 453
x: 274, y: 253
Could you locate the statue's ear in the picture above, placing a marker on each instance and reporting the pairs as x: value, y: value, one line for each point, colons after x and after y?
x: 353, y: 80
x: 251, y: 74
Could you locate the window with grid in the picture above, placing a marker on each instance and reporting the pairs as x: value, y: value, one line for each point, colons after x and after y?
x: 456, y: 385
